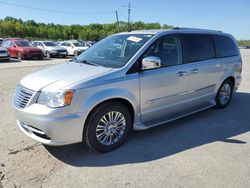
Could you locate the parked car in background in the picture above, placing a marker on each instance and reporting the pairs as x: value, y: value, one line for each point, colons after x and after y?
x: 90, y: 43
x: 51, y: 49
x: 4, y: 54
x: 1, y: 41
x: 73, y: 47
x: 134, y: 80
x: 22, y: 49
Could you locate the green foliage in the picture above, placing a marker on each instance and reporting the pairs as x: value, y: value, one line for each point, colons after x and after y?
x: 244, y: 43
x: 12, y: 27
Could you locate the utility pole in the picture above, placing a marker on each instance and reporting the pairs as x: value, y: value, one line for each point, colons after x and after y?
x: 117, y: 19
x: 129, y: 9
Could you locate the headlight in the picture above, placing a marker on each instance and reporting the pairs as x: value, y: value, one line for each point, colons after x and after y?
x: 55, y: 99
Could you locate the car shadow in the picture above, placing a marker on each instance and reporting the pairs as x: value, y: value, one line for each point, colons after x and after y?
x: 193, y: 131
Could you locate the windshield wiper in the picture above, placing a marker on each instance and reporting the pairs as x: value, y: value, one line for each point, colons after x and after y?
x: 84, y: 61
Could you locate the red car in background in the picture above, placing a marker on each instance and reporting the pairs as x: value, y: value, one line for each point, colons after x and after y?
x: 22, y: 49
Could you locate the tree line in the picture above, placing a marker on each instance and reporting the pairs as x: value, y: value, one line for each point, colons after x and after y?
x: 244, y: 43
x: 13, y: 27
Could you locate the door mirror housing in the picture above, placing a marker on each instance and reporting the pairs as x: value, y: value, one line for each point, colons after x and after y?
x: 150, y: 62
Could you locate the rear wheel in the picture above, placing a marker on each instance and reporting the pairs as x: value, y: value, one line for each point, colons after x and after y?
x: 224, y: 94
x: 19, y: 56
x: 107, y: 127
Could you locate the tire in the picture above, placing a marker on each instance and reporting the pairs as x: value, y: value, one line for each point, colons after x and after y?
x: 47, y: 54
x: 64, y: 56
x: 75, y: 53
x: 95, y: 139
x: 19, y: 56
x: 224, y: 94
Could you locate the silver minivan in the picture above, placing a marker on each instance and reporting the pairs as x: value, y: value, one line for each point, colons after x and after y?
x: 128, y: 81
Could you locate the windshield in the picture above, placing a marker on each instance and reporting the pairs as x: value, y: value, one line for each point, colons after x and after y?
x: 23, y: 43
x: 114, y: 51
x: 50, y: 44
x: 76, y: 44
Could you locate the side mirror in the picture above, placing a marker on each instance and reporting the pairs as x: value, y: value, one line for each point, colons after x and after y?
x: 151, y: 62
x: 14, y: 46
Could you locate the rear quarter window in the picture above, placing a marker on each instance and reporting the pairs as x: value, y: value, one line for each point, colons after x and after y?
x: 199, y: 47
x: 225, y: 46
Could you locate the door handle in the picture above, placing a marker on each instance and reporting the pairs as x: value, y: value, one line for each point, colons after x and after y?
x: 194, y: 71
x: 181, y: 73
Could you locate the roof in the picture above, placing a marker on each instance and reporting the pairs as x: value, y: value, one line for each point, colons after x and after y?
x: 177, y: 29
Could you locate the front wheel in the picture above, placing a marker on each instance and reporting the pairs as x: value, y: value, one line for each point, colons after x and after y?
x: 76, y: 53
x: 224, y: 94
x: 107, y: 127
x: 48, y: 54
x: 19, y: 56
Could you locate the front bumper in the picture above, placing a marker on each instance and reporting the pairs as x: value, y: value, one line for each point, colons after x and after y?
x: 50, y: 128
x: 32, y: 55
x: 59, y: 54
x: 4, y: 57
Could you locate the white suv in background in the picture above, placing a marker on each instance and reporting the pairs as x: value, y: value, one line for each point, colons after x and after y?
x: 73, y: 47
x: 51, y: 49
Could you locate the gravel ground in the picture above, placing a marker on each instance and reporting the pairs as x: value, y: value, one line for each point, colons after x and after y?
x: 208, y: 149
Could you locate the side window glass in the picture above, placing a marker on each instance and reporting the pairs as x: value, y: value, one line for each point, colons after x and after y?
x: 168, y: 49
x: 224, y: 46
x: 199, y: 47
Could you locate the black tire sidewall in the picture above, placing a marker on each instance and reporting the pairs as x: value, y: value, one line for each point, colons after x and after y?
x: 92, y: 122
x: 218, y: 102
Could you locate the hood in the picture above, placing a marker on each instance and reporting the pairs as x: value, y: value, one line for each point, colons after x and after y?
x: 62, y: 75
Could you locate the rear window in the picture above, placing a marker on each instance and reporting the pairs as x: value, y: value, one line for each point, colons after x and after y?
x: 199, y: 47
x: 225, y: 47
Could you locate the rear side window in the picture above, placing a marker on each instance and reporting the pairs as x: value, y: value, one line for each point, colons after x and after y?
x: 199, y: 47
x: 225, y: 47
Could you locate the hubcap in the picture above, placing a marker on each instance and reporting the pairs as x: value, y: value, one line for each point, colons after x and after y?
x: 111, y: 128
x: 225, y: 93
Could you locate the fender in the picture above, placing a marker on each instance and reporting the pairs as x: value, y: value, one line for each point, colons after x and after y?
x: 112, y: 93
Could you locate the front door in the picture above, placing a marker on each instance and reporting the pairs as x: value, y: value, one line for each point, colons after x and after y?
x: 163, y: 90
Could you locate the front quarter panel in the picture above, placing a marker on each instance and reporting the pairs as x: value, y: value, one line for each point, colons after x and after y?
x: 126, y: 88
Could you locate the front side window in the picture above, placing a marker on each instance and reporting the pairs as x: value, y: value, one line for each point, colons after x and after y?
x: 199, y: 47
x: 114, y: 51
x: 225, y: 47
x: 167, y: 49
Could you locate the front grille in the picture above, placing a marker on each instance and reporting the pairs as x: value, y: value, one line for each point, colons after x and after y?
x: 22, y: 96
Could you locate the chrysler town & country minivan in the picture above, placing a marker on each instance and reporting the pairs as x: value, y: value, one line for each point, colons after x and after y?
x: 128, y: 81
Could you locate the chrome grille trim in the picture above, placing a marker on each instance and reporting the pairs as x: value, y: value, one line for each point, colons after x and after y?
x: 22, y: 96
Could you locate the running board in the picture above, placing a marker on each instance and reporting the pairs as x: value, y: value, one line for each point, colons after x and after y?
x: 141, y: 126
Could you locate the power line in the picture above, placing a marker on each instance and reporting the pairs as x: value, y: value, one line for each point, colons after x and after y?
x: 54, y: 11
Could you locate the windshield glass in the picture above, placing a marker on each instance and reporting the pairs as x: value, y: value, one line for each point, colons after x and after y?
x: 76, y: 44
x: 114, y: 51
x: 23, y: 43
x: 50, y: 44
